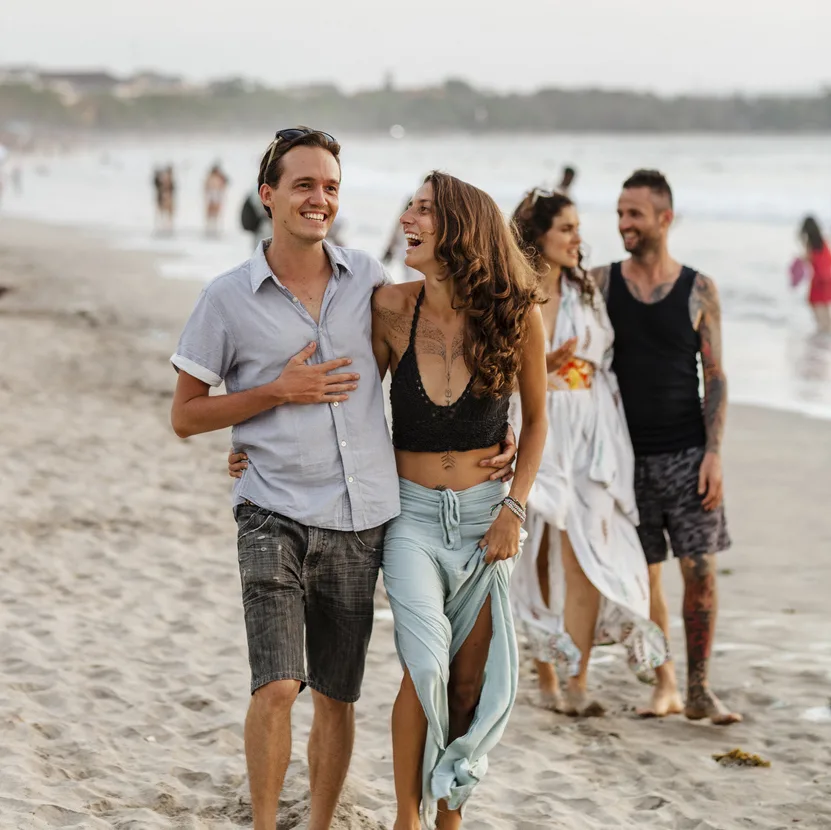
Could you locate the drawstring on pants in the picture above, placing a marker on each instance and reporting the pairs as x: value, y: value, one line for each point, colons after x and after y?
x: 450, y: 517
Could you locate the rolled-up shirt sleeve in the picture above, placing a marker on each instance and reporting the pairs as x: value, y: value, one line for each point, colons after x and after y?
x: 206, y: 348
x: 381, y: 277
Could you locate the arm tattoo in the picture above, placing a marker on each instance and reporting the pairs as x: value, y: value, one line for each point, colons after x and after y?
x: 705, y: 312
x: 396, y: 325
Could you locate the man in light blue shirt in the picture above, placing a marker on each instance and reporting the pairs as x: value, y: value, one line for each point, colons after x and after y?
x: 289, y: 334
x: 328, y: 466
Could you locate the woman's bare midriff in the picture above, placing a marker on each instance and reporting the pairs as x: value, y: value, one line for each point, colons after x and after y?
x: 448, y: 471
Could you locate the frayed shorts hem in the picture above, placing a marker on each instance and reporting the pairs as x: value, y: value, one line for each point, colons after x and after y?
x: 304, y: 681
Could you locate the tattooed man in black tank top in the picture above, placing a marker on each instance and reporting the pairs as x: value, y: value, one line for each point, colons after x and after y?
x: 666, y: 317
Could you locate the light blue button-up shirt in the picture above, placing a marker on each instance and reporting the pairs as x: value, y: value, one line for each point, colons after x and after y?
x: 323, y: 465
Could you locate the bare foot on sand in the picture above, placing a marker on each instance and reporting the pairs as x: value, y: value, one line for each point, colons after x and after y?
x: 553, y: 701
x: 551, y: 697
x: 703, y: 704
x: 665, y: 701
x: 578, y: 705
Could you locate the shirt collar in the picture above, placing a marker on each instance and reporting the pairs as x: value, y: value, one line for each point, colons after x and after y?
x: 261, y: 271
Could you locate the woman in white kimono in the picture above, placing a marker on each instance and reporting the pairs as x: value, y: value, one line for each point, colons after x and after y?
x: 583, y: 580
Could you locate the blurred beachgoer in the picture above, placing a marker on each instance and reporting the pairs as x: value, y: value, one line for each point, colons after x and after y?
x: 216, y: 184
x: 165, y: 188
x: 253, y: 217
x: 17, y: 179
x: 583, y: 579
x: 564, y: 187
x: 665, y: 316
x: 157, y: 190
x: 818, y: 257
x: 3, y: 156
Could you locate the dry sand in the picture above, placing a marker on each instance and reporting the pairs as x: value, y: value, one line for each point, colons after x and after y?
x: 123, y: 674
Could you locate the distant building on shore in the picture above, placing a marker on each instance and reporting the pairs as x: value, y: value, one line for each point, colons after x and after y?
x: 152, y: 83
x: 73, y: 86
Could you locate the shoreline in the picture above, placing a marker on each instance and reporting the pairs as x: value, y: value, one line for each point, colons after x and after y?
x: 174, y: 260
x: 123, y: 677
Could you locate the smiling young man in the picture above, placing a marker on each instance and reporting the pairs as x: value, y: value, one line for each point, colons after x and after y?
x: 288, y: 333
x: 665, y: 317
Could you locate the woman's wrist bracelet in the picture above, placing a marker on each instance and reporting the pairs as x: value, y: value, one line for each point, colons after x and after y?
x: 514, y: 506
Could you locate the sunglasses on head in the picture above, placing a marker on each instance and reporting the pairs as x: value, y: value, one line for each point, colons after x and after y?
x: 292, y: 134
x: 538, y: 193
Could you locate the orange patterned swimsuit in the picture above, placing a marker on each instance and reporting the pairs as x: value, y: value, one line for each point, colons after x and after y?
x: 576, y: 374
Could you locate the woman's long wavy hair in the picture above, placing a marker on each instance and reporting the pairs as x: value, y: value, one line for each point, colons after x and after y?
x: 532, y: 219
x: 493, y: 281
x: 812, y: 234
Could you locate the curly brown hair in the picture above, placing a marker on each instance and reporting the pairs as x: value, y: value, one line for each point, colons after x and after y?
x: 493, y: 281
x: 532, y: 219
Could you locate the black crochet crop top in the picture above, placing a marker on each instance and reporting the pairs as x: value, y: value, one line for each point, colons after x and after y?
x: 420, y: 425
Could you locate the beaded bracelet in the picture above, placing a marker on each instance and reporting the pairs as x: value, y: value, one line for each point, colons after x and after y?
x: 514, y: 506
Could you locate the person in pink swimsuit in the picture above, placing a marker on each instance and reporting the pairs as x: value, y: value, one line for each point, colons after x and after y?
x: 818, y: 256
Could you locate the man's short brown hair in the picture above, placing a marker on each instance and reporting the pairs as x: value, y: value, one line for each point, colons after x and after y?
x: 271, y: 164
x: 655, y: 180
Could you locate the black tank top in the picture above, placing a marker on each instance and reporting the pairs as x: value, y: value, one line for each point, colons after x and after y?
x: 656, y: 363
x: 419, y: 425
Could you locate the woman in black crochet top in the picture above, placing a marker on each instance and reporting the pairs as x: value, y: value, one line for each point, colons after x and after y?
x: 458, y: 343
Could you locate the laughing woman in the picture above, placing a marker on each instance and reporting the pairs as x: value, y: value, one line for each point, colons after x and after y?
x: 457, y: 342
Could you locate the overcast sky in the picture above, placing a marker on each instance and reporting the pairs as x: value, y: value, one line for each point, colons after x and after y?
x: 658, y: 45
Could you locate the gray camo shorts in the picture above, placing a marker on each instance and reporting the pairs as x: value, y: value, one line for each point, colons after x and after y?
x: 671, y: 511
x: 308, y: 597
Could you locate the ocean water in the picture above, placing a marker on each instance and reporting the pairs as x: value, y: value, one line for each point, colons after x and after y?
x: 739, y: 203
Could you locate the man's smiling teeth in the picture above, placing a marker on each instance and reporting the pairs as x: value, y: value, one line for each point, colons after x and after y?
x: 317, y: 217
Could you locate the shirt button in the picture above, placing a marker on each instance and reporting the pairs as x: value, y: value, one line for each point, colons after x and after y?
x: 343, y: 443
x: 335, y: 403
x: 294, y: 299
x: 350, y: 479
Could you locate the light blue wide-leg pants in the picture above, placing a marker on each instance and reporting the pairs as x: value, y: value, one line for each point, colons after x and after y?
x: 437, y: 581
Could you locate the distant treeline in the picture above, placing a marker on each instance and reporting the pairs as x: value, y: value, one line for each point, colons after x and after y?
x: 454, y: 106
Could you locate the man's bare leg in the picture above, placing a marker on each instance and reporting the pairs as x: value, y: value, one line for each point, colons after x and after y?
x: 700, y: 607
x: 550, y: 695
x: 268, y: 747
x: 409, y: 733
x: 665, y: 698
x: 822, y: 314
x: 330, y: 749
